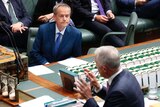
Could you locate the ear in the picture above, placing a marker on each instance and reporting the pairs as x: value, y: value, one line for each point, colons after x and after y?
x: 104, y: 68
x: 54, y: 17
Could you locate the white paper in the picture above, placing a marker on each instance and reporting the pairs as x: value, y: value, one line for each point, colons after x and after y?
x: 40, y: 70
x: 38, y: 102
x: 148, y: 102
x: 70, y: 62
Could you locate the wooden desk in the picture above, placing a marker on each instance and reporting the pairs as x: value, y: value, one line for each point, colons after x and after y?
x: 59, y: 89
x: 56, y: 88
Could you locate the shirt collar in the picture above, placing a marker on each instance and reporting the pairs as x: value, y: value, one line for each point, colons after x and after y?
x: 5, y: 1
x: 114, y: 75
x: 62, y: 32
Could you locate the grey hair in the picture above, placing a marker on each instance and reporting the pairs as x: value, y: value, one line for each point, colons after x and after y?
x: 55, y: 8
x: 108, y: 56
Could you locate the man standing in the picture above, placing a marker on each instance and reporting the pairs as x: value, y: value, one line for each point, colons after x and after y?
x: 57, y: 40
x: 143, y: 8
x: 122, y: 89
x: 96, y: 15
x: 17, y: 20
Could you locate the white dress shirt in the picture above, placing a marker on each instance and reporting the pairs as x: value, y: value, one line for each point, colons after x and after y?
x: 5, y: 3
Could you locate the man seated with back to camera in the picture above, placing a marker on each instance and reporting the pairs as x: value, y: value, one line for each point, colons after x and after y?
x: 143, y: 8
x: 57, y: 40
x: 98, y: 18
x: 122, y: 88
x: 17, y: 20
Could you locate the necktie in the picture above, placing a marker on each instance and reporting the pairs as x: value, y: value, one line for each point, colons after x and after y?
x: 12, y: 12
x: 101, y: 10
x: 57, y: 42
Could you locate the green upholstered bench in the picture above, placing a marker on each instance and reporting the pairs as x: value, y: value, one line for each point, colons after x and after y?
x: 143, y: 25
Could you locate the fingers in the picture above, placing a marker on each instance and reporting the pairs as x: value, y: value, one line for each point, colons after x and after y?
x: 16, y: 28
x: 43, y: 18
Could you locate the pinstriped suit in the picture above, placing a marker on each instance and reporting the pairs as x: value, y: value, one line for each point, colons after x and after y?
x: 22, y: 16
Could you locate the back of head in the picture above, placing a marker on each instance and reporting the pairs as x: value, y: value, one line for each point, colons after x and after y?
x: 108, y: 56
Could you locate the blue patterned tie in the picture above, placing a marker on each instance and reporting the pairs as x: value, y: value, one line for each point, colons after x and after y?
x: 12, y: 12
x: 101, y: 10
x: 57, y: 42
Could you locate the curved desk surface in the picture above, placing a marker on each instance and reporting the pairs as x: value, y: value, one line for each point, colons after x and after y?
x: 51, y: 84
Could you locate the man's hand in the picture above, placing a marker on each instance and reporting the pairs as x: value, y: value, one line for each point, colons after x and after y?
x: 45, y: 18
x: 110, y: 15
x: 140, y: 2
x: 101, y: 18
x: 18, y: 27
x: 92, y: 78
x: 83, y: 88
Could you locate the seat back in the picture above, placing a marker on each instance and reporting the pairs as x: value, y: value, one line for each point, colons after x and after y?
x: 31, y: 37
x: 91, y: 50
x: 30, y: 6
x: 130, y: 32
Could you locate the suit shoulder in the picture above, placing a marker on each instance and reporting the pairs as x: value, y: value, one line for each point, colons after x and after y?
x: 72, y: 28
x: 46, y: 25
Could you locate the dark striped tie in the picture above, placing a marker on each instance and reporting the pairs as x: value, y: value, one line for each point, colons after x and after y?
x: 12, y: 12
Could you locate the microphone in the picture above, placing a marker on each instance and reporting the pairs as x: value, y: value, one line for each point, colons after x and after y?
x: 19, y: 63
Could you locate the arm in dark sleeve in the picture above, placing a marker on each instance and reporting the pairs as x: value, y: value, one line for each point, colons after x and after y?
x: 102, y: 93
x: 24, y: 17
x: 107, y: 5
x: 36, y: 54
x: 82, y: 9
x: 43, y: 7
x: 126, y: 3
x: 77, y: 49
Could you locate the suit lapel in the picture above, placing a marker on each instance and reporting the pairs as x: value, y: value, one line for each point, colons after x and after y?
x: 115, y: 80
x: 51, y: 37
x: 4, y: 10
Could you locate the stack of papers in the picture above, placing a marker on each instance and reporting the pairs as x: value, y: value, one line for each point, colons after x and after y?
x: 40, y: 70
x: 38, y: 102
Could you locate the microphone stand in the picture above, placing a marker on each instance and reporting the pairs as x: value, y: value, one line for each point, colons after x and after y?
x: 18, y: 60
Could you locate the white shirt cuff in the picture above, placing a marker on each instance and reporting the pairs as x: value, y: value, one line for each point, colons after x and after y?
x: 99, y: 89
x: 94, y: 17
x: 108, y: 11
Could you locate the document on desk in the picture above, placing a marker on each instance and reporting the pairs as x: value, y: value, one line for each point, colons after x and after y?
x: 70, y: 62
x: 40, y: 70
x: 151, y: 103
x: 38, y: 102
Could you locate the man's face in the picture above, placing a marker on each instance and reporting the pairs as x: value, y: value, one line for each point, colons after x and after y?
x: 102, y: 70
x: 62, y: 17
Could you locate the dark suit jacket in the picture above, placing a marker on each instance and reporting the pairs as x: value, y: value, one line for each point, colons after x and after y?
x: 124, y: 91
x: 126, y: 7
x: 44, y: 7
x: 43, y: 47
x: 82, y: 10
x: 19, y: 11
x: 22, y: 16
